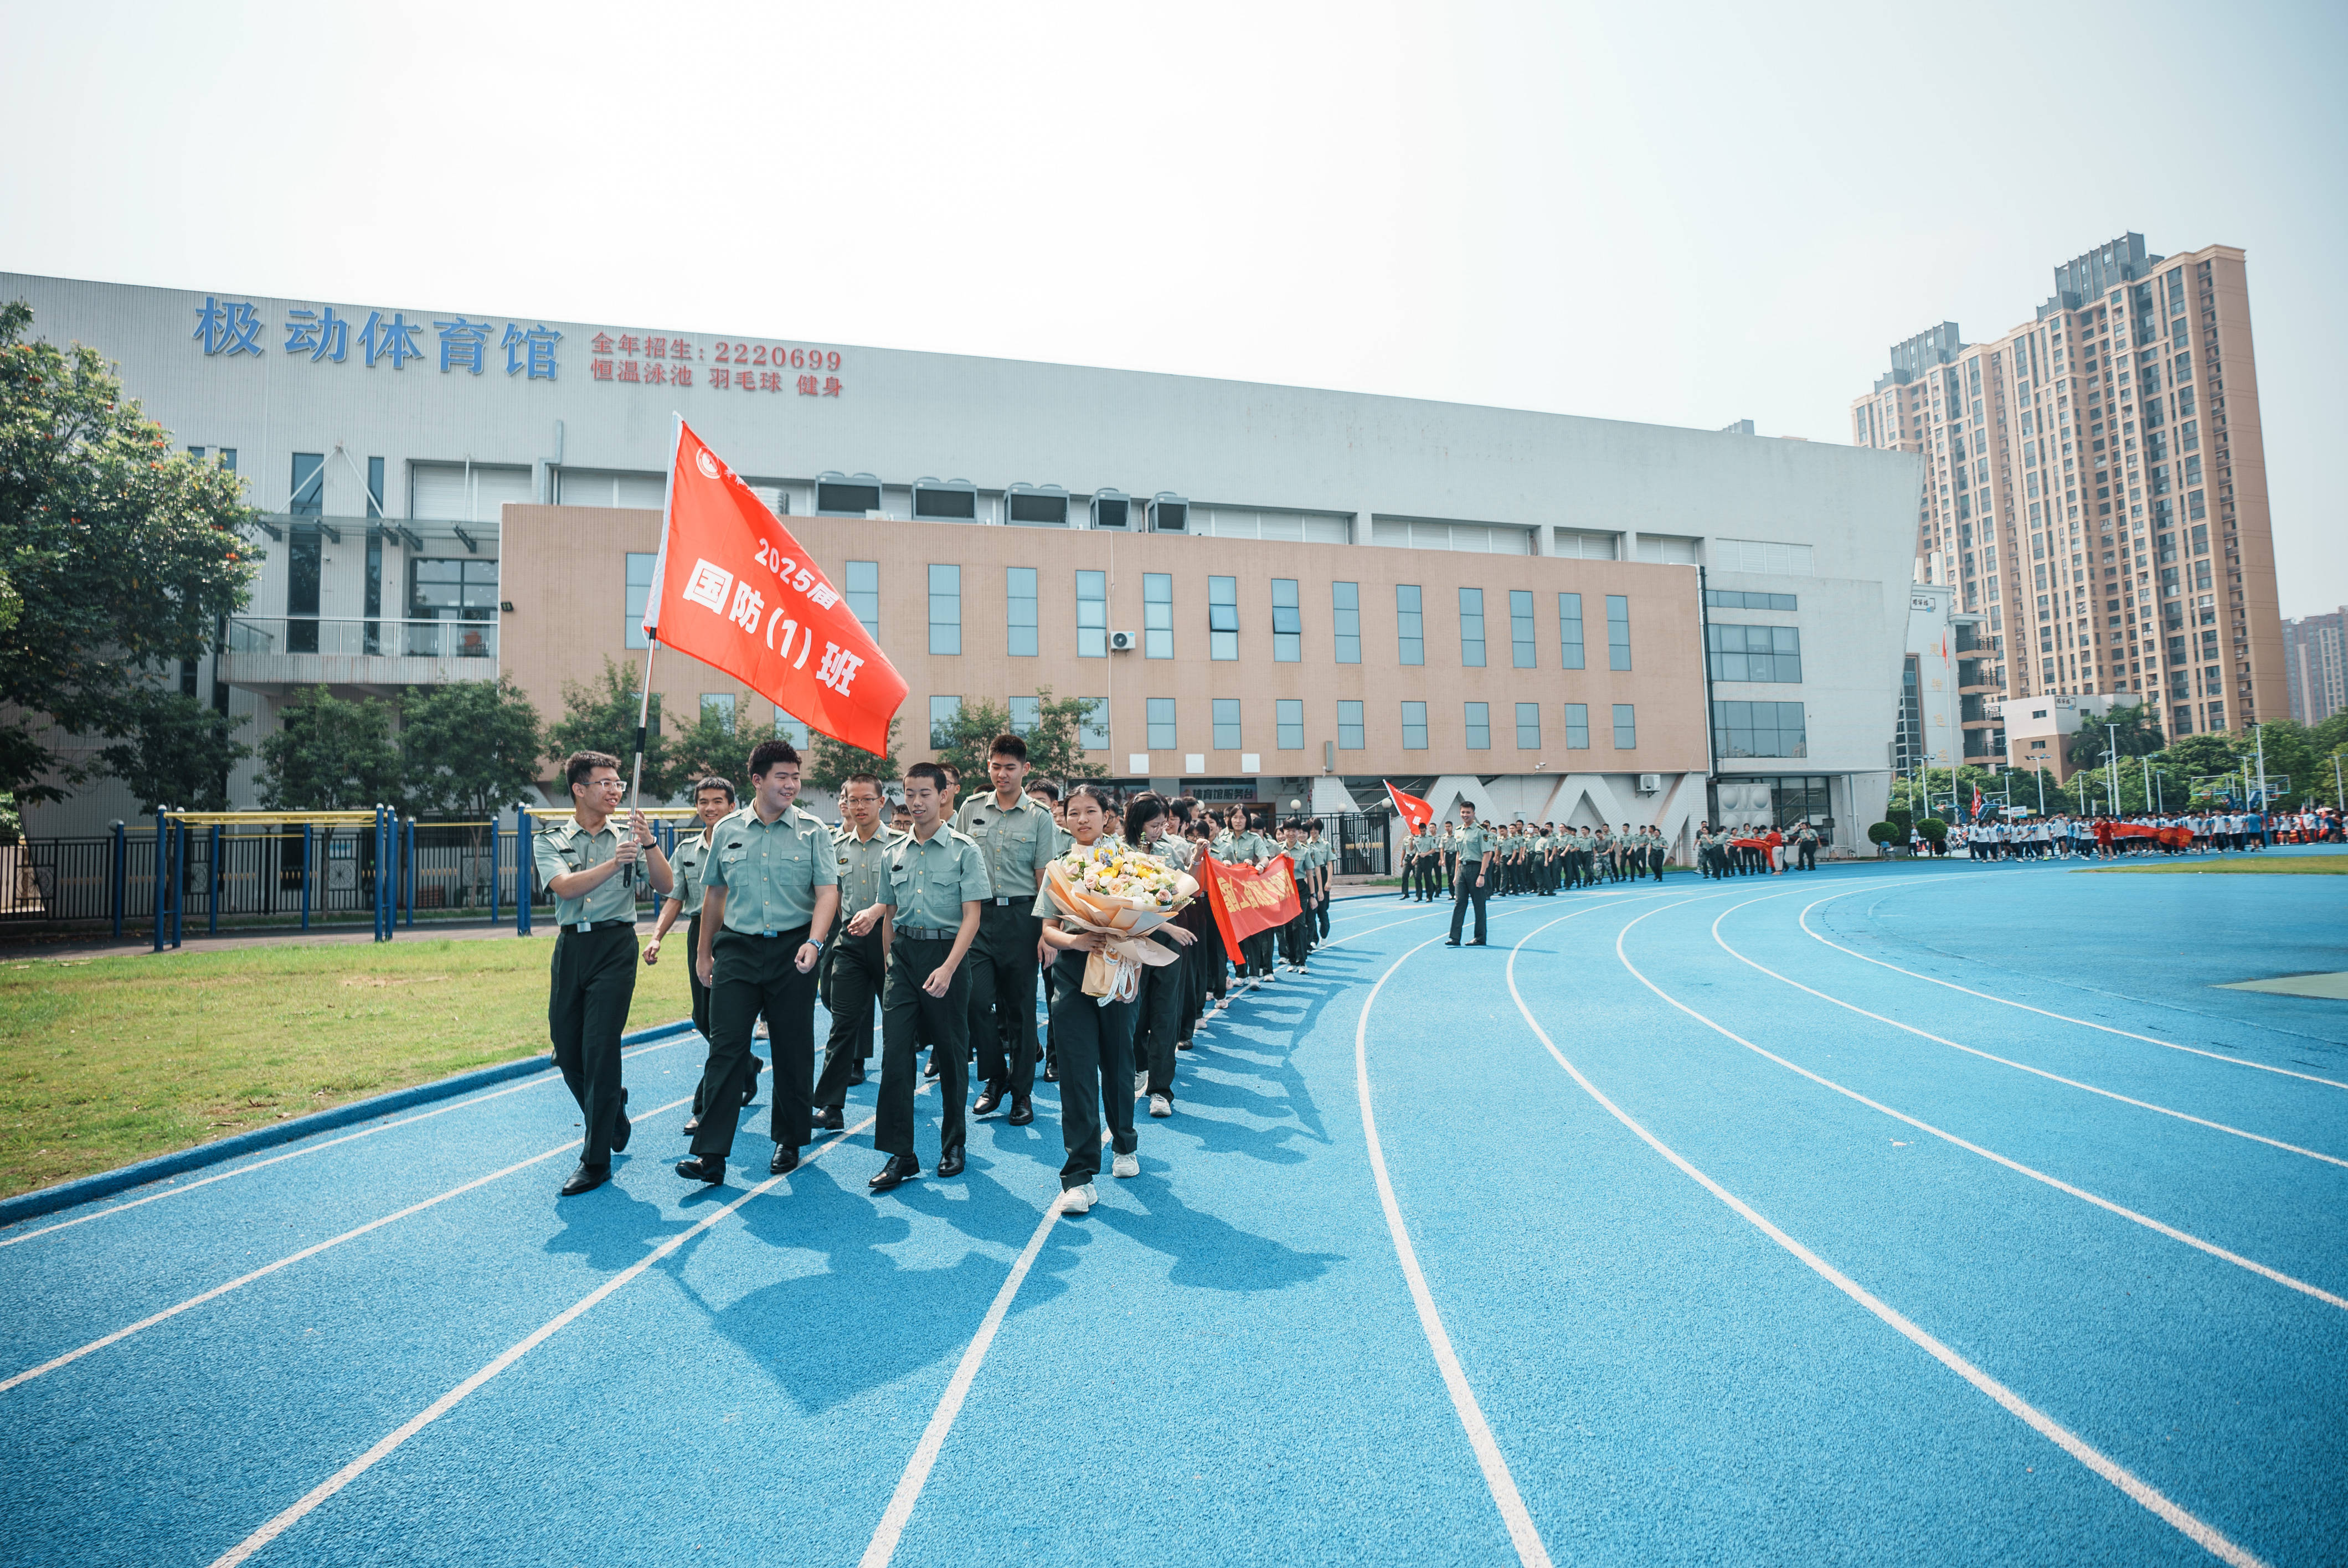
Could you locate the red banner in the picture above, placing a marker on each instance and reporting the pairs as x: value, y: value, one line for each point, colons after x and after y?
x: 1415, y: 811
x: 1247, y: 899
x: 733, y: 588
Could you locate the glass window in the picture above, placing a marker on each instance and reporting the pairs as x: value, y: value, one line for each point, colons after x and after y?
x: 1025, y: 712
x: 1227, y: 724
x: 791, y: 730
x: 1521, y: 628
x: 1345, y: 614
x: 1092, y: 730
x: 1222, y: 618
x: 945, y: 610
x: 1754, y: 652
x: 1471, y: 628
x: 1349, y: 727
x: 1479, y: 726
x: 863, y: 584
x: 309, y: 491
x: 1287, y: 622
x: 1410, y: 625
x: 720, y: 704
x: 1156, y: 615
x: 1569, y: 621
x: 943, y: 711
x: 1019, y: 614
x: 1528, y: 726
x: 1092, y: 614
x: 1414, y: 727
x: 1161, y: 724
x: 375, y: 487
x: 1577, y: 726
x: 451, y: 588
x: 1290, y: 712
x: 1738, y: 598
x: 1759, y: 730
x: 1618, y: 632
x: 1626, y: 727
x: 640, y: 589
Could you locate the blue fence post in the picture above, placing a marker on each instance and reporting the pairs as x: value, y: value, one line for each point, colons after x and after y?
x: 493, y: 868
x: 162, y: 872
x: 212, y: 883
x: 521, y: 871
x: 385, y: 867
x: 308, y: 829
x: 117, y: 881
x: 179, y: 883
x: 411, y: 874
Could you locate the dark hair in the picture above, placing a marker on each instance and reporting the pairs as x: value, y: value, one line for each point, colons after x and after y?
x: 1044, y: 787
x: 581, y: 766
x: 767, y: 754
x: 1139, y: 812
x: 714, y: 781
x: 872, y: 779
x: 930, y: 771
x: 1184, y: 807
x: 1097, y: 793
x: 1007, y: 744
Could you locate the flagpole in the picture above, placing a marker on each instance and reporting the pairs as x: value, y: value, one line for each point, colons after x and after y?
x: 636, y: 778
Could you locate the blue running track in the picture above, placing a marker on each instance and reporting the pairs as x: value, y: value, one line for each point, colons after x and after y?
x: 1937, y: 1214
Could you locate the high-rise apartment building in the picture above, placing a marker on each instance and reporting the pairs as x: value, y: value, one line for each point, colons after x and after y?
x: 2094, y: 488
x: 2315, y: 665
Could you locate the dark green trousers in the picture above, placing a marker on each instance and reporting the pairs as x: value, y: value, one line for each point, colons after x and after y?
x: 910, y: 1018
x: 592, y: 980
x: 752, y: 976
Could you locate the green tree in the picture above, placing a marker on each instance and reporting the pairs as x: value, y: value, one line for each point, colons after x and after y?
x: 2136, y: 732
x: 834, y: 760
x: 469, y: 747
x: 117, y: 557
x: 600, y: 715
x: 718, y: 744
x: 1056, y: 740
x: 962, y: 744
x: 331, y: 756
x: 178, y: 752
x: 2200, y: 757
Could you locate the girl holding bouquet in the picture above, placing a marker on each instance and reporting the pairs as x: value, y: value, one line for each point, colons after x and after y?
x: 1242, y: 845
x: 1159, y: 1009
x: 1093, y: 1036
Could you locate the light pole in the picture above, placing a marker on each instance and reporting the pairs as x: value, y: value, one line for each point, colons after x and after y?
x: 2112, y: 767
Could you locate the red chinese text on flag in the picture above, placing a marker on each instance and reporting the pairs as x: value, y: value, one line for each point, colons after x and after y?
x: 1415, y: 811
x: 733, y: 588
x: 1247, y: 899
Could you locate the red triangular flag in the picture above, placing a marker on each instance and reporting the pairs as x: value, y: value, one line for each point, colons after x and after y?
x: 1415, y: 811
x: 733, y: 588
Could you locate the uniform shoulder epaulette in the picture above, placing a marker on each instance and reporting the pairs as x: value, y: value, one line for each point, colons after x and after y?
x: 561, y: 829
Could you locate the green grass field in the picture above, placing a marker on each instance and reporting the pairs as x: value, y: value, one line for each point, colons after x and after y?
x: 107, y: 1060
x: 2262, y: 865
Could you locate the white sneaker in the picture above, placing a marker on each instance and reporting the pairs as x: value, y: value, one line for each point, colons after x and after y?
x: 1140, y: 1082
x: 1160, y: 1106
x: 1104, y: 1137
x: 1078, y: 1200
x: 1125, y: 1165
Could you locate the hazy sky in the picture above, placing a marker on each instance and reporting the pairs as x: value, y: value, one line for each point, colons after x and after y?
x: 1683, y: 214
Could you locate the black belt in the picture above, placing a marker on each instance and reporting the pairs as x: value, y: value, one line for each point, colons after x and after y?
x: 583, y: 927
x: 798, y: 931
x: 930, y: 933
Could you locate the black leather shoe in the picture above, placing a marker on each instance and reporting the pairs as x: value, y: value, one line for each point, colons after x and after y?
x: 950, y: 1161
x: 1475, y: 944
x: 750, y: 1090
x: 1021, y: 1112
x: 990, y: 1101
x: 693, y: 1123
x: 1452, y: 943
x: 1050, y: 1072
x: 829, y: 1118
x: 786, y: 1161
x: 856, y: 1075
x: 932, y: 1070
x: 702, y: 1168
x: 627, y: 1128
x: 901, y: 1169
x: 586, y: 1179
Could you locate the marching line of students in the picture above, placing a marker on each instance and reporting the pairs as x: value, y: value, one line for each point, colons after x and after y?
x: 938, y: 919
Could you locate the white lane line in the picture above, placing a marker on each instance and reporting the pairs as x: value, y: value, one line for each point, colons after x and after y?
x: 537, y: 1081
x: 217, y: 1291
x: 2202, y: 1535
x: 1522, y: 1533
x: 2042, y: 1013
x: 2237, y: 1259
x: 2007, y: 1062
x: 894, y: 1518
x: 449, y: 1400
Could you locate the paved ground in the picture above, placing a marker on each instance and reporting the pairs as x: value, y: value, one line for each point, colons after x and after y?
x: 1944, y: 1213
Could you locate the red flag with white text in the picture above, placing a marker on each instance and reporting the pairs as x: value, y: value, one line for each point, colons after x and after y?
x: 733, y: 588
x: 1247, y: 899
x: 1415, y: 811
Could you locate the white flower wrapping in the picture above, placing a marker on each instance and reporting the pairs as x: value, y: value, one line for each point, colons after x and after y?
x: 1110, y: 887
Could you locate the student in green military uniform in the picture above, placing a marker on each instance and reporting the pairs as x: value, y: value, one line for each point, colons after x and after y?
x: 1294, y: 933
x: 937, y: 884
x: 1095, y: 1037
x: 1017, y: 834
x: 1469, y: 847
x: 771, y: 887
x: 590, y: 866
x: 712, y: 799
x: 1324, y: 866
x: 1241, y: 843
x: 1166, y: 988
x: 856, y: 963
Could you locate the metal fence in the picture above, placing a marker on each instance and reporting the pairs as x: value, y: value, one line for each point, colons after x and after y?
x: 1360, y: 842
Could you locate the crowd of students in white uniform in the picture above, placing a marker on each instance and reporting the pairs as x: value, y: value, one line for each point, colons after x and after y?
x: 2064, y: 835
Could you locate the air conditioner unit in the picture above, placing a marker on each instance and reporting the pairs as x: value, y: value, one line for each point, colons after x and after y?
x: 1121, y: 642
x: 1650, y: 783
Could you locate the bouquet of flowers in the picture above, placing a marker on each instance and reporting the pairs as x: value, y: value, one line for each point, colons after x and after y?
x: 1126, y: 894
